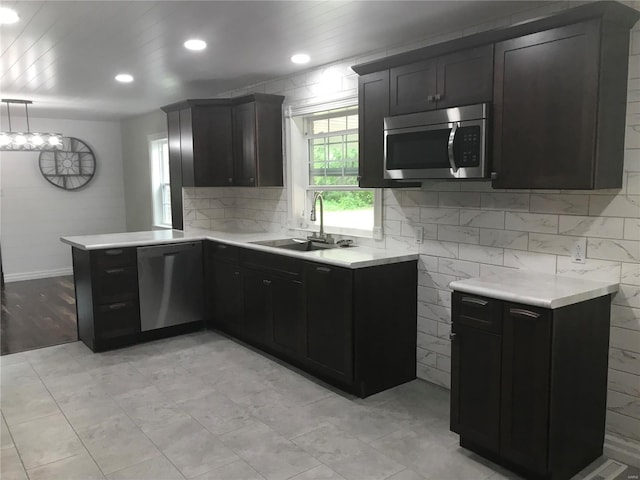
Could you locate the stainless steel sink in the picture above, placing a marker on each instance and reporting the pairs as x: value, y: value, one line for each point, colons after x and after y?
x: 298, y: 244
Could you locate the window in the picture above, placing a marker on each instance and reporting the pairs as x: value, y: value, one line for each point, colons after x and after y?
x: 324, y: 158
x: 160, y: 185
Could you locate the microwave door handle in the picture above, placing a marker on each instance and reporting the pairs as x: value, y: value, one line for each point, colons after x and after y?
x: 452, y: 138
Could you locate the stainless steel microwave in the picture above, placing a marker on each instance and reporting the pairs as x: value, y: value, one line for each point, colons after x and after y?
x: 449, y: 143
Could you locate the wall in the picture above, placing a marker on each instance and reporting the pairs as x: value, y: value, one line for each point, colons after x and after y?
x: 471, y: 229
x: 35, y: 214
x: 137, y: 169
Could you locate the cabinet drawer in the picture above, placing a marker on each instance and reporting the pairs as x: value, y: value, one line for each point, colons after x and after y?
x: 280, y: 265
x: 114, y: 257
x: 220, y: 251
x: 117, y: 319
x: 476, y: 311
x: 117, y: 284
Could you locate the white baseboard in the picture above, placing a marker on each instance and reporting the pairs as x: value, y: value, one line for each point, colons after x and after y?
x: 621, y: 449
x: 18, y: 277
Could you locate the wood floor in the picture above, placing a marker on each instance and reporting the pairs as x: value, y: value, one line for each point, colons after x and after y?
x: 37, y: 313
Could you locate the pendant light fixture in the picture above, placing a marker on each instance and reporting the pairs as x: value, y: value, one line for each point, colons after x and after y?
x: 27, y: 141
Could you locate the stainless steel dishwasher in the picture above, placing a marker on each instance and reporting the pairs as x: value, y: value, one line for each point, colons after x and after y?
x: 170, y: 285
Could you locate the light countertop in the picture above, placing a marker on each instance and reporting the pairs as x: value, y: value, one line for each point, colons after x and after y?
x: 536, y: 289
x: 351, y: 257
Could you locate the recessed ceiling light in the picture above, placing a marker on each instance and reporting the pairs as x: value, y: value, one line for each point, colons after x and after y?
x: 300, y: 58
x: 195, y: 44
x: 124, y: 78
x: 8, y: 16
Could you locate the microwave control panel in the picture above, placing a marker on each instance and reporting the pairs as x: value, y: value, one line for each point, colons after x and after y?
x: 468, y: 146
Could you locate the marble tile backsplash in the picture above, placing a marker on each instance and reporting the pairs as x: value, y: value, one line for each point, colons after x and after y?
x: 471, y: 229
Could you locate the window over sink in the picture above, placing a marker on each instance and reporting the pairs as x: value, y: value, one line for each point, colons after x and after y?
x: 323, y: 153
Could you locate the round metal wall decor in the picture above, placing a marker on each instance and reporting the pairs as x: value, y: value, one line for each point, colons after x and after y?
x: 71, y: 167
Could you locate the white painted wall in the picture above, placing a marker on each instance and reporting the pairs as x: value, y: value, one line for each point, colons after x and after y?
x: 137, y: 167
x: 34, y: 214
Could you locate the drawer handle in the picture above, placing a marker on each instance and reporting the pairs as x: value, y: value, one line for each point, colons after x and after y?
x: 237, y: 274
x: 323, y: 269
x: 520, y: 312
x: 113, y: 252
x: 452, y: 336
x: 117, y: 306
x: 475, y: 301
x: 112, y: 271
x: 221, y: 247
x: 266, y: 282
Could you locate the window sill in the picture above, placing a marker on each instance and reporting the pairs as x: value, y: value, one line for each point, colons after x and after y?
x: 161, y: 227
x: 340, y: 231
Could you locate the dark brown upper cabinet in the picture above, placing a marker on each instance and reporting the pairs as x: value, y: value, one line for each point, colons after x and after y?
x: 559, y: 112
x: 460, y: 78
x: 257, y: 141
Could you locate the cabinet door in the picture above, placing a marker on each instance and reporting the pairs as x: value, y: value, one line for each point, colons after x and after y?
x: 413, y: 87
x: 475, y: 385
x: 287, y: 316
x: 244, y: 144
x: 228, y: 307
x: 257, y: 307
x: 175, y: 168
x: 524, y: 423
x: 329, y: 329
x: 465, y: 77
x: 212, y: 159
x: 545, y: 96
x: 269, y: 144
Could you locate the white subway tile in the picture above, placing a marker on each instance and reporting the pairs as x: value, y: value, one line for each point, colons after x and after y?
x: 538, y: 262
x: 624, y: 382
x: 452, y: 233
x: 441, y: 186
x: 439, y: 249
x: 429, y: 230
x: 625, y: 317
x: 505, y: 201
x: 434, y: 312
x: 483, y: 186
x: 632, y: 229
x: 623, y: 425
x: 444, y: 330
x: 607, y: 249
x: 434, y: 375
x: 624, y: 405
x: 402, y: 213
x: 459, y: 199
x: 560, y: 203
x: 624, y: 361
x: 392, y: 196
x: 428, y: 326
x: 419, y: 198
x: 434, y: 344
x: 624, y: 339
x: 632, y: 136
x: 630, y: 273
x: 482, y: 218
x: 627, y: 296
x: 435, y: 280
x: 443, y: 363
x: 596, y: 270
x: 481, y: 254
x: 504, y: 239
x: 553, y: 244
x: 531, y: 222
x: 428, y: 263
x: 633, y: 182
x: 444, y: 298
x: 444, y: 216
x: 614, y: 205
x: 425, y: 357
x: 604, y: 227
x: 392, y: 227
x: 401, y: 243
x: 427, y: 294
x: 632, y: 156
x: 490, y: 270
x: 459, y: 268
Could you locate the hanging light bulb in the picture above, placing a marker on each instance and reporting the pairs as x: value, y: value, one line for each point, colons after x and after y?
x: 30, y: 140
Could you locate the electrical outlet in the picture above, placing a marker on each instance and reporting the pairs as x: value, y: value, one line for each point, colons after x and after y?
x: 419, y: 231
x: 579, y: 251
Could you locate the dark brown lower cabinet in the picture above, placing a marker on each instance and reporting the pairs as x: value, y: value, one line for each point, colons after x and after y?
x: 353, y: 328
x: 528, y: 384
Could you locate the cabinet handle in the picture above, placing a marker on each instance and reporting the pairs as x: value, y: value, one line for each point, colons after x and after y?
x: 437, y: 97
x: 494, y: 175
x: 221, y: 247
x: 430, y: 98
x: 230, y: 180
x: 323, y: 269
x: 266, y: 282
x: 251, y: 180
x: 359, y: 177
x: 452, y: 336
x: 475, y: 301
x: 520, y: 312
x: 112, y: 271
x: 115, y: 251
x: 237, y: 274
x: 117, y: 306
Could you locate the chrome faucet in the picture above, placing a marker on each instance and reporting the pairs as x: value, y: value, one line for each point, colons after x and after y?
x: 321, y: 237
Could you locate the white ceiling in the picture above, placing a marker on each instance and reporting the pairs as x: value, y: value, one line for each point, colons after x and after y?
x: 64, y: 55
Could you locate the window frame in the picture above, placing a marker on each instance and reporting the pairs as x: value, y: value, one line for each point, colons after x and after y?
x: 157, y: 185
x: 300, y: 191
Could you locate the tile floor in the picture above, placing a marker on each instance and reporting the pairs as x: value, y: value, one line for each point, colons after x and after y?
x: 202, y: 406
